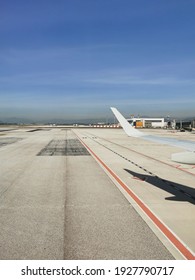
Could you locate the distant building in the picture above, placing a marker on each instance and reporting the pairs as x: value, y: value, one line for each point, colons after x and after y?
x: 188, y: 125
x: 147, y: 122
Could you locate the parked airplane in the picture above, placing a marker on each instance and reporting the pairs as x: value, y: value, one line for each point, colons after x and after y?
x: 187, y: 157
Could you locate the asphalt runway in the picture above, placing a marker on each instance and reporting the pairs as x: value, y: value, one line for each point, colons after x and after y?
x: 68, y: 194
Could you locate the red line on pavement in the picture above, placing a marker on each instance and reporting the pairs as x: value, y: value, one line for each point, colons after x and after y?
x: 178, y: 244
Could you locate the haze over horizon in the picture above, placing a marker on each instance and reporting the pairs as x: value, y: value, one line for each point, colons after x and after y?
x: 73, y: 59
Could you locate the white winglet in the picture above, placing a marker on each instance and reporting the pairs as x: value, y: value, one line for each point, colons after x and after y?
x: 130, y: 131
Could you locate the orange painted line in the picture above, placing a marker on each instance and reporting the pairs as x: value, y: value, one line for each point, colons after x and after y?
x: 174, y: 240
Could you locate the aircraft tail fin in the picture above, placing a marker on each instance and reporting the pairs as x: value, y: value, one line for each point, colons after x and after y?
x: 130, y: 131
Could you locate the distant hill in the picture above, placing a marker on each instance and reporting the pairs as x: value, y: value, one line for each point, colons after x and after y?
x: 189, y: 119
x: 15, y: 120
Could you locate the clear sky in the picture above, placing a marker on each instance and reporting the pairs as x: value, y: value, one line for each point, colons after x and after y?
x: 73, y: 59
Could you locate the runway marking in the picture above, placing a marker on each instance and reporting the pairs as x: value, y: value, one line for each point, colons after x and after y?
x: 163, y: 228
x: 142, y: 168
x: 178, y: 167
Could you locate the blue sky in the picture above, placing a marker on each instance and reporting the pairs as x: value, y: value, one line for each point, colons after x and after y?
x: 73, y: 59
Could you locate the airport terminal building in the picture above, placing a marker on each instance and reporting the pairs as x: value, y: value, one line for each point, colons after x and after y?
x: 147, y: 122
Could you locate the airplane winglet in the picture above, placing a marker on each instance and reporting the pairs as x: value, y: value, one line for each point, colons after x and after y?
x: 184, y: 157
x: 129, y: 130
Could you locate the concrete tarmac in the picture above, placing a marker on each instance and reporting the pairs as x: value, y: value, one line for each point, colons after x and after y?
x: 166, y: 188
x: 58, y: 202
